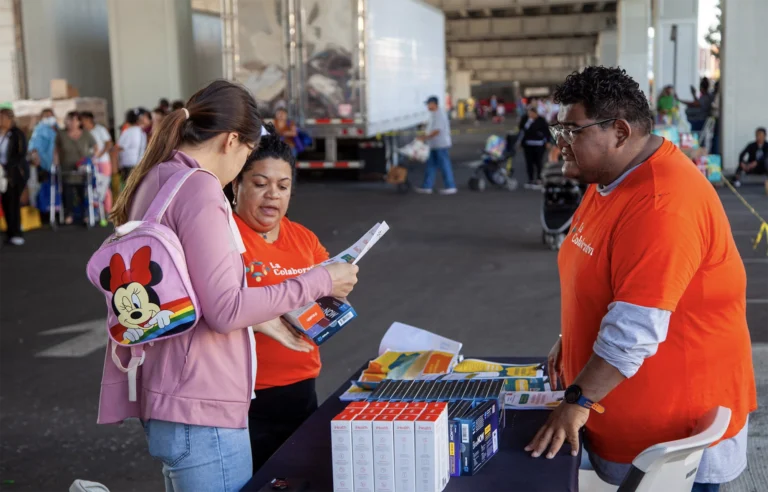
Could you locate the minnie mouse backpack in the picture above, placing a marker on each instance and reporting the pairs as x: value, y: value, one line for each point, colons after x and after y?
x: 142, y: 272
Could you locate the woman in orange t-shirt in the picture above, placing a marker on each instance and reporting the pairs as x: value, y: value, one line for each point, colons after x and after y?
x: 276, y: 249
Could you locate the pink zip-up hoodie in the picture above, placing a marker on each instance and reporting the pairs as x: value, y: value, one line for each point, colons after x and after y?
x: 203, y: 377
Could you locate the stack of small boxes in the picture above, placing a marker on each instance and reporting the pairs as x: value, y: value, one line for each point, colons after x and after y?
x: 415, y: 435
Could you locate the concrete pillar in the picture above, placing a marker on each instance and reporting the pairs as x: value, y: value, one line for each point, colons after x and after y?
x: 634, y: 19
x: 461, y: 85
x: 744, y: 97
x: 152, y: 52
x: 606, y: 52
x: 9, y: 89
x: 66, y: 40
x: 681, y: 17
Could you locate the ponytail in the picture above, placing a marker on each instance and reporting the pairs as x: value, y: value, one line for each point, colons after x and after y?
x: 220, y: 107
x: 163, y: 142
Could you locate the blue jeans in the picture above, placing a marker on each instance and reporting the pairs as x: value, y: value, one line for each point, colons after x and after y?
x: 200, y: 459
x: 438, y: 160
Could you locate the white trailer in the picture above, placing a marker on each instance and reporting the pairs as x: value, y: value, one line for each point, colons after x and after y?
x: 346, y: 70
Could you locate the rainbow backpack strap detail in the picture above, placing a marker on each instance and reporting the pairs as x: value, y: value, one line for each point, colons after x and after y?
x: 142, y: 272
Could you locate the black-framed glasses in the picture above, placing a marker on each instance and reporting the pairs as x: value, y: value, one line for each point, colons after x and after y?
x: 569, y: 134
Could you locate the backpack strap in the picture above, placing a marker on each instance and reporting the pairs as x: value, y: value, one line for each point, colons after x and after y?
x: 167, y: 192
x: 137, y: 359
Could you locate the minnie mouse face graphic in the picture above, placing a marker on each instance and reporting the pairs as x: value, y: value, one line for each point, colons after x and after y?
x: 134, y: 301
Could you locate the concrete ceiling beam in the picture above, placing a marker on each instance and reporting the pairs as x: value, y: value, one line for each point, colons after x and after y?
x: 529, y: 27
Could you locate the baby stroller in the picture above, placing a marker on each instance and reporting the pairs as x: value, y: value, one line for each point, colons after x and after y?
x: 495, y: 168
x: 561, y: 199
x: 95, y: 185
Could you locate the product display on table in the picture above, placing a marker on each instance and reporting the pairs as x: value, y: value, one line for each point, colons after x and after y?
x: 422, y: 414
x: 406, y: 352
x: 533, y: 400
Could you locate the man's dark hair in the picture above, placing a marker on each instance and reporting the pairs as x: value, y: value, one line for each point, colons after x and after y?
x: 86, y: 115
x: 761, y: 130
x: 177, y: 105
x: 270, y: 146
x: 164, y: 103
x: 607, y: 93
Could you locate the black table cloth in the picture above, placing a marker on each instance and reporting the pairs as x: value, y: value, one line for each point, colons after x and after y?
x: 305, y: 459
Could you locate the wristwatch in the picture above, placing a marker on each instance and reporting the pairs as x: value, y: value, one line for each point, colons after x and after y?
x: 573, y: 396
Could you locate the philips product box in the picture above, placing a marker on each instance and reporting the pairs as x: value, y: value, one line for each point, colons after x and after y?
x: 405, y: 453
x: 357, y: 405
x: 400, y: 405
x: 362, y: 449
x: 441, y: 409
x: 320, y: 320
x: 391, y: 411
x: 384, y: 452
x: 429, y: 469
x: 479, y: 436
x: 341, y: 452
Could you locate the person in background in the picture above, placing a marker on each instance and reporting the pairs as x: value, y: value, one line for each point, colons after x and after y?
x: 42, y: 144
x: 716, y: 105
x: 494, y: 102
x: 653, y: 290
x: 177, y: 105
x: 157, y: 116
x: 667, y: 101
x: 535, y: 140
x: 753, y: 159
x: 74, y: 144
x: 164, y: 106
x: 700, y: 108
x: 101, y: 159
x: 438, y: 136
x: 286, y: 128
x: 13, y: 159
x: 145, y: 121
x: 194, y: 389
x: 285, y: 384
x: 131, y: 144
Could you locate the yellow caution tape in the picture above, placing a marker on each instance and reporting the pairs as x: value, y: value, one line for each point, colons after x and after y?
x: 763, y: 224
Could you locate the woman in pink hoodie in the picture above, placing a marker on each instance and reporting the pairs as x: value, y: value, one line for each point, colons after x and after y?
x: 191, y: 393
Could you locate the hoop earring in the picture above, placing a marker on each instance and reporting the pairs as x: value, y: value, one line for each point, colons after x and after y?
x: 234, y: 201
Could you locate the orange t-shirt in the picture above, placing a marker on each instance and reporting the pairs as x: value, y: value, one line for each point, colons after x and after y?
x: 661, y: 239
x: 296, y: 251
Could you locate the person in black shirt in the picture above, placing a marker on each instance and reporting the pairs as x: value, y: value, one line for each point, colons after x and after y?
x: 753, y: 158
x: 13, y: 158
x: 535, y: 140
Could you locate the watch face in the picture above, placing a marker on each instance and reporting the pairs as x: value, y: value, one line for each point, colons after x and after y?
x: 572, y: 394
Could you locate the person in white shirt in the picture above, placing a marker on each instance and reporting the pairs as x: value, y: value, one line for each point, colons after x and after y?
x: 131, y: 144
x: 101, y: 159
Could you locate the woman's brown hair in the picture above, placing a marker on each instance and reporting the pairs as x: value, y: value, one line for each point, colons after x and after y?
x: 220, y: 107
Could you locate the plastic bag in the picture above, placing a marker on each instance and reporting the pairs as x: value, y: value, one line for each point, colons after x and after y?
x: 416, y: 151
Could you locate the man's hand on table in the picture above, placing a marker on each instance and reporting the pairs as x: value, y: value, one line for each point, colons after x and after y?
x: 563, y: 425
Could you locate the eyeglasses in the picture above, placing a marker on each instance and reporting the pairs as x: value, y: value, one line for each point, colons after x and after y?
x: 569, y: 134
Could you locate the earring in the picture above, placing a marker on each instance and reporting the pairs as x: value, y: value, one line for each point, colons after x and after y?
x: 234, y: 201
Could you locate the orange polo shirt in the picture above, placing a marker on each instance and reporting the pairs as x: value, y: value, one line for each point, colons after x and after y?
x: 296, y: 250
x: 661, y: 239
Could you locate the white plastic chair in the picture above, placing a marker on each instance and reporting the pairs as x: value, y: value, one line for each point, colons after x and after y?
x: 669, y: 466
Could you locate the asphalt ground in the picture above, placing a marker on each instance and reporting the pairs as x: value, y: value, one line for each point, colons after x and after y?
x: 471, y: 267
